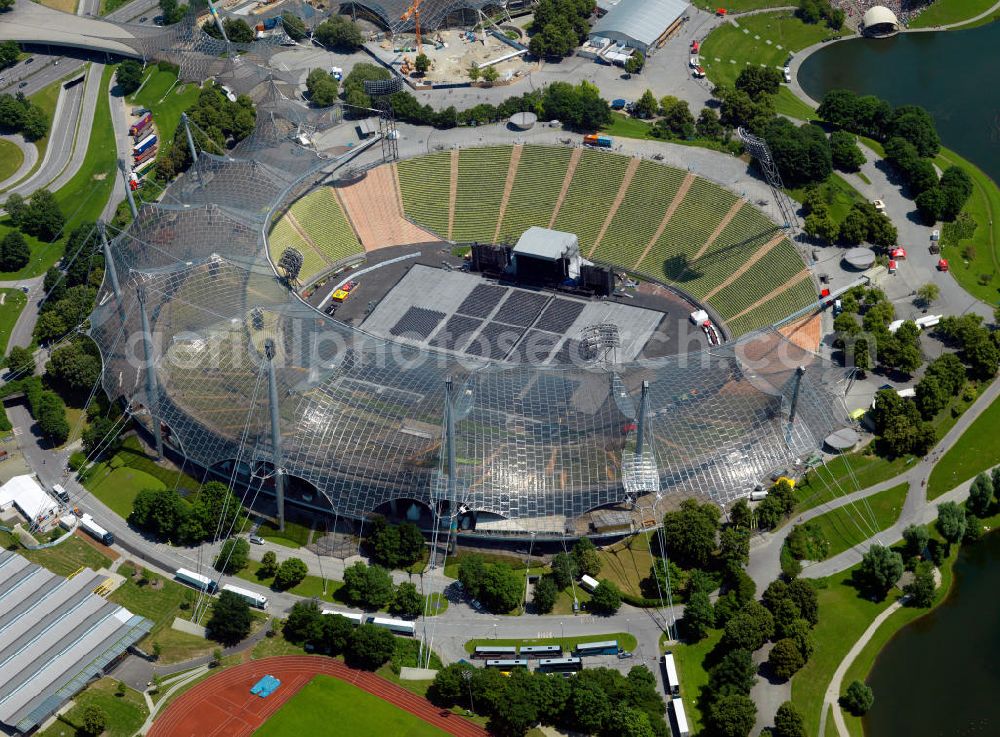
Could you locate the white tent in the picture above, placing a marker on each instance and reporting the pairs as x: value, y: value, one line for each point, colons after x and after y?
x: 28, y: 496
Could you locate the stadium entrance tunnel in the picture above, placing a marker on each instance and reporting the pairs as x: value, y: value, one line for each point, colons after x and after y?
x: 405, y: 509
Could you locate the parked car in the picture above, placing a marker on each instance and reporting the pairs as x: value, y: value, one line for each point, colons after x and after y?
x: 22, y: 85
x: 623, y: 654
x: 144, y: 18
x: 256, y: 540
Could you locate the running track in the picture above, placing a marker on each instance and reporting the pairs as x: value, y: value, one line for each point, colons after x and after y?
x: 222, y: 706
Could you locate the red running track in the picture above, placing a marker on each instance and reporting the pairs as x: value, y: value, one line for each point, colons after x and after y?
x: 222, y: 706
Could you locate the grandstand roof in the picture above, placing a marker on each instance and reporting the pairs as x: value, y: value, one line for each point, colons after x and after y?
x: 639, y: 23
x: 878, y: 15
x: 29, y: 497
x: 56, y: 635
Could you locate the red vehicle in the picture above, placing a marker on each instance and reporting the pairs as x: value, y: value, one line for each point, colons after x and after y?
x: 350, y: 286
x: 721, y: 12
x: 897, y: 253
x: 146, y: 155
x: 893, y: 266
x: 942, y: 264
x: 695, y: 46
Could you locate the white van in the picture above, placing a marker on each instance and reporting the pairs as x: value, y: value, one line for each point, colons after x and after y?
x: 60, y: 492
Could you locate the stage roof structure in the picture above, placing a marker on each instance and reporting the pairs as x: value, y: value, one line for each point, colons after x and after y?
x: 547, y: 244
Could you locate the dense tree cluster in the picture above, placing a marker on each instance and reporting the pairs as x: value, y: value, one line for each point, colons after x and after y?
x: 368, y: 587
x: 779, y: 502
x: 75, y: 366
x: 801, y: 153
x: 365, y: 646
x: 758, y: 81
x: 18, y: 114
x: 946, y: 200
x: 9, y: 50
x: 899, y: 427
x: 218, y: 125
x: 169, y: 516
x: 129, y: 76
x: 234, y: 555
x: 172, y: 11
x: 943, y: 379
x: 559, y: 26
x: 290, y: 573
x: 40, y: 216
x: 844, y: 151
x: 395, y: 546
x: 895, y: 351
x: 677, y: 122
x: 690, y: 532
x: 496, y: 585
x: 231, y: 618
x: 49, y: 412
x: 339, y: 33
x: 979, y: 346
x: 71, y: 288
x: 322, y: 88
x: 14, y: 251
x: 879, y: 571
x: 858, y: 698
x: 597, y: 701
x: 294, y: 26
x: 814, y: 11
x: 238, y: 31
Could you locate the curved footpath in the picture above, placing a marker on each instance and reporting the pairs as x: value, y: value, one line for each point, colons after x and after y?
x: 223, y: 704
x: 30, y: 153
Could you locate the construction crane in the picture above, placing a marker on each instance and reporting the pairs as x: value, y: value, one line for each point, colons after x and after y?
x: 414, y: 12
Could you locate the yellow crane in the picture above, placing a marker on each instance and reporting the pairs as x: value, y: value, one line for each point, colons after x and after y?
x: 414, y: 12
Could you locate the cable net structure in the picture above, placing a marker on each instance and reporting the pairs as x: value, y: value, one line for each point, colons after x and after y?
x: 363, y: 419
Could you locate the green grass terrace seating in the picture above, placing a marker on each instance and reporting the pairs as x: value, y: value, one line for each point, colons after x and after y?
x: 323, y: 222
x: 425, y: 186
x: 482, y: 175
x: 540, y: 176
x: 595, y: 185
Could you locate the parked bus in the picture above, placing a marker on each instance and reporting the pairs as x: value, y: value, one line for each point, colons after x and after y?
x: 138, y: 127
x: 508, y: 664
x: 255, y: 599
x: 680, y: 718
x: 202, y: 583
x: 671, y: 682
x: 148, y: 155
x: 560, y: 665
x: 96, y: 531
x: 355, y: 618
x: 589, y: 583
x: 541, y: 651
x: 145, y: 143
x: 399, y: 626
x: 493, y: 651
x: 608, y: 647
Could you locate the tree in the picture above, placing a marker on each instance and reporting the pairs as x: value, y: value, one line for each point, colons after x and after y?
x: 322, y: 88
x: 20, y: 361
x: 473, y: 73
x: 858, y: 698
x: 450, y: 686
x: 606, y: 598
x: 75, y: 366
x: 234, y: 556
x: 42, y: 217
x: 9, y: 50
x: 920, y: 591
x: 635, y: 63
x: 757, y: 81
x: 50, y: 413
x: 734, y: 674
x: 422, y: 63
x: 788, y: 722
x: 172, y: 12
x: 93, y: 720
x: 676, y: 120
x: 951, y: 522
x: 785, y: 659
x: 749, y: 628
x: 699, y: 617
x: 586, y: 557
x: 646, y: 106
x: 740, y: 514
x: 915, y: 537
x: 928, y: 294
x: 216, y: 657
x: 732, y: 716
x: 844, y: 151
x: 690, y: 532
x: 14, y: 252
x: 129, y: 76
x: 304, y: 622
x: 370, y: 647
x: 734, y: 547
x: 803, y: 593
x: 980, y: 495
x: 35, y: 124
x: 471, y: 572
x: 121, y: 689
x: 406, y: 600
x: 490, y: 75
x: 290, y: 573
x: 564, y: 570
x: 545, y: 594
x: 367, y: 586
x: 708, y: 125
x: 880, y: 568
x: 502, y: 588
x: 294, y: 26
x: 802, y: 154
x: 268, y: 565
x: 820, y: 224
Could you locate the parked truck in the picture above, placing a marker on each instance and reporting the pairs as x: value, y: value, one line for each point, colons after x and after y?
x: 592, y: 139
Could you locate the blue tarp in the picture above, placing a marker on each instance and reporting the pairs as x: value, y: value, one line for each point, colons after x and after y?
x: 265, y: 686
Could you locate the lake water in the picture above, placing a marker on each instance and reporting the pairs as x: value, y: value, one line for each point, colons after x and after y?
x: 940, y: 676
x: 955, y: 75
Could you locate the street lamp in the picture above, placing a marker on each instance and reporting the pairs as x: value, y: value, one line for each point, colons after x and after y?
x: 562, y: 630
x: 467, y: 677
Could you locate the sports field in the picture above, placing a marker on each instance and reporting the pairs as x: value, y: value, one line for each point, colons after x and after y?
x: 325, y: 701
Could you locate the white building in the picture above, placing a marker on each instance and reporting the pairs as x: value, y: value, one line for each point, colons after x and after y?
x: 30, y: 499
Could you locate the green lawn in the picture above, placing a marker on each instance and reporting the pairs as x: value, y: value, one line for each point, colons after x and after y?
x: 843, y: 616
x: 944, y: 12
x: 625, y: 126
x: 734, y: 44
x: 311, y: 586
x: 68, y: 557
x: 983, y: 246
x: 690, y: 661
x: 739, y: 6
x: 847, y: 526
x: 293, y: 536
x: 110, y: 6
x: 518, y: 564
x: 625, y: 641
x: 11, y: 159
x: 978, y: 449
x: 165, y: 99
x: 126, y: 714
x: 13, y: 302
x: 358, y: 713
x: 992, y: 17
x: 869, y: 469
x: 118, y: 487
x: 788, y: 103
x: 627, y: 563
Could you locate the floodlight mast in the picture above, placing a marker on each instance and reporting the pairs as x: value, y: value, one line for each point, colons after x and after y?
x: 758, y: 149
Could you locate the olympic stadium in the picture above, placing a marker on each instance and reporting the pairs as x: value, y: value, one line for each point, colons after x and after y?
x: 202, y: 334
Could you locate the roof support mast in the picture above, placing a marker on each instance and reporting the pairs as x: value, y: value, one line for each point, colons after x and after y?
x: 152, y: 395
x: 272, y: 396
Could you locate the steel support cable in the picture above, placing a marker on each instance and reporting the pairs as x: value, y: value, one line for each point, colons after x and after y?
x: 870, y: 522
x: 857, y: 514
x: 444, y: 562
x: 857, y: 487
x: 656, y: 577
